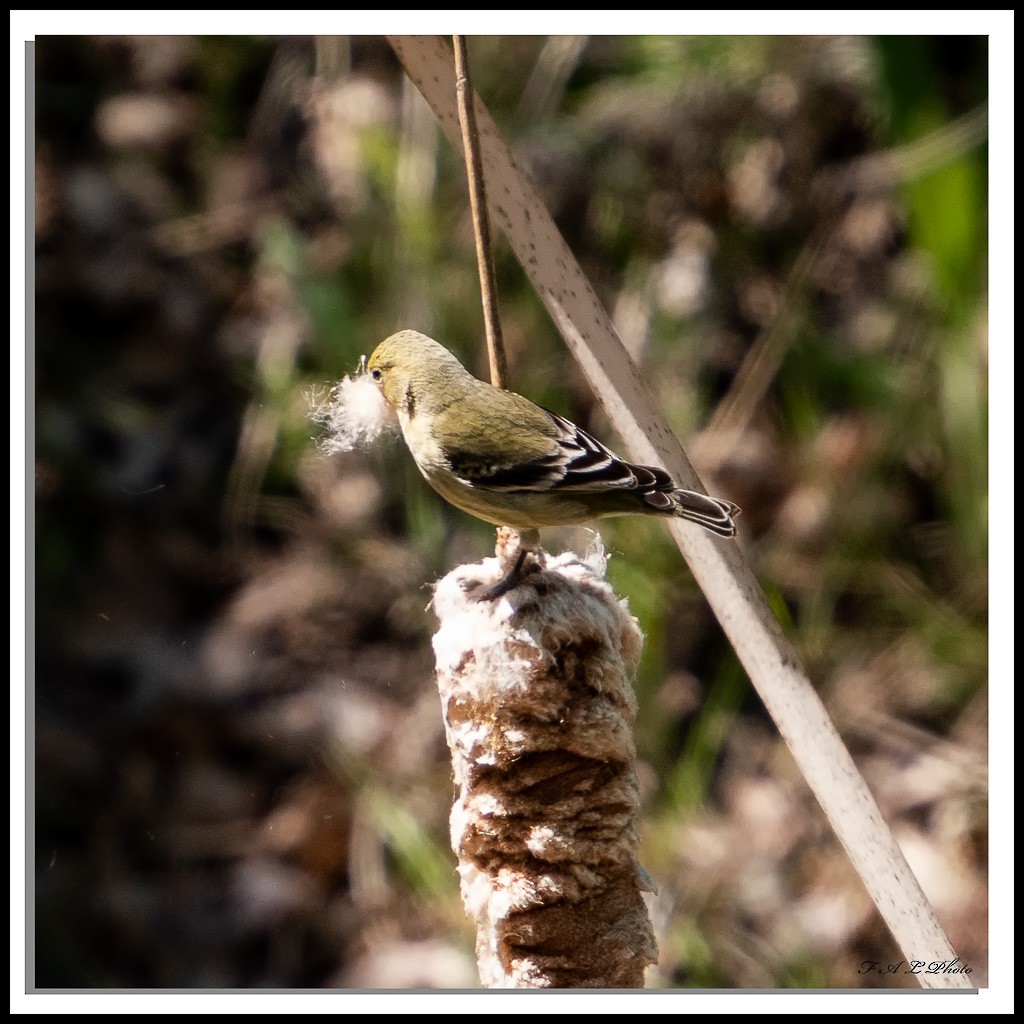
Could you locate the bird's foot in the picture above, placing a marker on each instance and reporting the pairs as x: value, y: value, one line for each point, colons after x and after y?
x: 522, y: 567
x: 514, y: 550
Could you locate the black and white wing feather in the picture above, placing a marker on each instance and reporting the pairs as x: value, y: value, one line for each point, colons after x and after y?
x: 576, y: 462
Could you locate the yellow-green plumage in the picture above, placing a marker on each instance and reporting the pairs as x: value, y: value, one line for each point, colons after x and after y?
x: 498, y: 456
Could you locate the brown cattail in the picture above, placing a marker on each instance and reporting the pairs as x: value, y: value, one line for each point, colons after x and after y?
x: 536, y: 690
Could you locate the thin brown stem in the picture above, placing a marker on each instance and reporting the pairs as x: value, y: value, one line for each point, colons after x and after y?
x: 481, y: 221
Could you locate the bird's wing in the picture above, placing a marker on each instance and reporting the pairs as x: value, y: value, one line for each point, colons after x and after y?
x: 571, y: 460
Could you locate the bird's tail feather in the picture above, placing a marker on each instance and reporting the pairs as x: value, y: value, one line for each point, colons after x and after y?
x: 713, y: 514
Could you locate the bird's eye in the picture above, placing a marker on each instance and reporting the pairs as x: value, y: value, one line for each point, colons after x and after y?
x: 375, y: 373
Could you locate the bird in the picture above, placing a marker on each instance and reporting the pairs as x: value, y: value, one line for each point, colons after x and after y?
x: 499, y: 457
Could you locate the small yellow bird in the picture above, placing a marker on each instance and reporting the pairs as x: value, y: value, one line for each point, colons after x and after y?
x: 498, y: 456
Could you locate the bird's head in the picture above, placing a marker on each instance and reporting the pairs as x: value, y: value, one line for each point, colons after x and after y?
x: 412, y: 369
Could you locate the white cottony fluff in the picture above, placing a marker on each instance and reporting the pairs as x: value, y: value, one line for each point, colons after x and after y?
x: 354, y: 412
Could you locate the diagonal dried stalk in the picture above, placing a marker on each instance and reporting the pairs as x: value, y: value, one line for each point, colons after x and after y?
x: 719, y: 567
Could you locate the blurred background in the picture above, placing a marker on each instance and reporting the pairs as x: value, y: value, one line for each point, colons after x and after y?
x: 241, y: 778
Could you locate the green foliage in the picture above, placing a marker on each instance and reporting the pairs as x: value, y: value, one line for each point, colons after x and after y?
x: 687, y: 787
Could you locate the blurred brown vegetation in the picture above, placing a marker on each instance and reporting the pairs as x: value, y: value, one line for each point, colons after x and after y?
x: 240, y: 772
